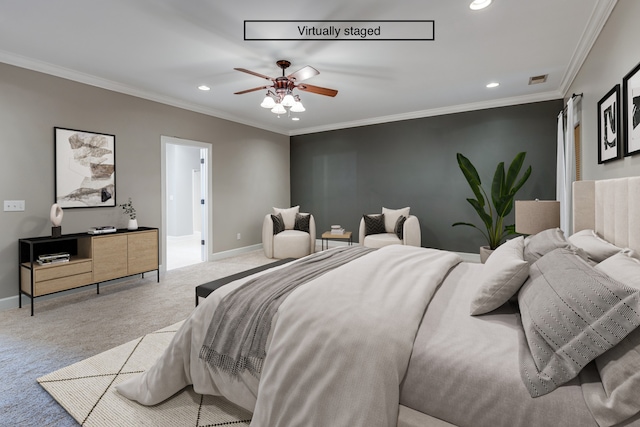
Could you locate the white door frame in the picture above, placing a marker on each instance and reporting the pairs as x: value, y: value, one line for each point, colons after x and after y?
x: 208, y: 189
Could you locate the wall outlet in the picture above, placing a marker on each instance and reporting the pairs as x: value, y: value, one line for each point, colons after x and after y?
x: 238, y: 236
x: 14, y: 205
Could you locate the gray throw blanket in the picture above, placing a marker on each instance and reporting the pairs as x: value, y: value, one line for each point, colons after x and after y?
x: 237, y: 336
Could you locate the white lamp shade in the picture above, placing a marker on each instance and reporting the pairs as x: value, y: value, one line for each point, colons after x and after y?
x: 288, y: 100
x: 278, y: 109
x: 268, y: 102
x: 534, y: 216
x: 298, y: 107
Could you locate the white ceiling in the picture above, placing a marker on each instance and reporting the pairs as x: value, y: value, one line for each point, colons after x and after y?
x: 163, y: 49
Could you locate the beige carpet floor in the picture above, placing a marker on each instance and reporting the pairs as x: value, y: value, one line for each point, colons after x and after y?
x: 69, y: 328
x: 87, y: 391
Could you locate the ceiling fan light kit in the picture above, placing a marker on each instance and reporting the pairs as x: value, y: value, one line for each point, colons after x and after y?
x: 280, y: 92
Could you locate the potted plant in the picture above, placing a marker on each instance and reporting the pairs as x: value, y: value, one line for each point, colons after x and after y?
x: 131, y: 211
x: 492, y: 210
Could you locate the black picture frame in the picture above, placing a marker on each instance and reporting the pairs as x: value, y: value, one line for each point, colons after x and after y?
x: 85, y: 169
x: 609, y: 130
x: 631, y: 104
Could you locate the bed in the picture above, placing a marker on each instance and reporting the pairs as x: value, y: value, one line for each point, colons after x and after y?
x: 387, y: 337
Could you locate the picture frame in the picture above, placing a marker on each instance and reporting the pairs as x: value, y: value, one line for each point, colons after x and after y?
x: 631, y: 103
x: 609, y: 130
x: 85, y: 169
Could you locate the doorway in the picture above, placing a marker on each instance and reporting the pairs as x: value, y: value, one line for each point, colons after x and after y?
x: 185, y: 201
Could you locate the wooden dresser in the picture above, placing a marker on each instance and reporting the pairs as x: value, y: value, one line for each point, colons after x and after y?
x: 94, y: 259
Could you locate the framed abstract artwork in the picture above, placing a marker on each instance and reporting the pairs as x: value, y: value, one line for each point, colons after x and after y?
x: 631, y: 103
x: 85, y: 169
x: 609, y: 131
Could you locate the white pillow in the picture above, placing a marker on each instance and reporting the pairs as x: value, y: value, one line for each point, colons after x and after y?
x: 504, y: 272
x: 597, y: 248
x: 288, y: 216
x: 622, y: 267
x: 391, y: 217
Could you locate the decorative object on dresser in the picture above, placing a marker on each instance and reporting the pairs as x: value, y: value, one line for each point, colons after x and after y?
x: 85, y: 169
x: 56, y: 215
x: 392, y: 227
x: 534, y: 216
x: 102, y: 229
x: 503, y: 191
x: 49, y: 265
x: 131, y: 211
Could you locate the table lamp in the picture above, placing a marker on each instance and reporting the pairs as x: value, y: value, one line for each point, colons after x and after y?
x: 534, y: 216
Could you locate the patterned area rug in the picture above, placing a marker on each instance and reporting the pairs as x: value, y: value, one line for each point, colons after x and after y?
x: 86, y: 390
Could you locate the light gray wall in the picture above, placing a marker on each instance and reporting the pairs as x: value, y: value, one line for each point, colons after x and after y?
x: 250, y: 171
x: 341, y: 175
x: 181, y: 162
x: 615, y: 53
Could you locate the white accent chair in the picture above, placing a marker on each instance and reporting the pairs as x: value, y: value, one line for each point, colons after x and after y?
x: 289, y: 243
x: 410, y: 233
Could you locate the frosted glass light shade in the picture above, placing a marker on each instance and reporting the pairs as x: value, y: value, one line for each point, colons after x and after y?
x: 268, y: 102
x: 278, y: 109
x: 298, y: 107
x: 288, y: 100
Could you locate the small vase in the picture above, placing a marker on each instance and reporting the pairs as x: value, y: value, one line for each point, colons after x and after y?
x: 485, y: 252
x: 133, y: 224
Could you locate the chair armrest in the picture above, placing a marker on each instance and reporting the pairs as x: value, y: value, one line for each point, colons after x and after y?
x: 267, y: 236
x: 312, y: 234
x: 411, y: 232
x: 361, y: 231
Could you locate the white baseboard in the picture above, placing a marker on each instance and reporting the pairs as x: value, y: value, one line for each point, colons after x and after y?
x: 233, y: 252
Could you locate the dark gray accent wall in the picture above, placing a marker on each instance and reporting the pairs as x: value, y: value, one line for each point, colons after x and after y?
x: 341, y: 175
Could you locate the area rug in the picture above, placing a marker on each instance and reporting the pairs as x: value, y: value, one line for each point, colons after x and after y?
x: 86, y: 390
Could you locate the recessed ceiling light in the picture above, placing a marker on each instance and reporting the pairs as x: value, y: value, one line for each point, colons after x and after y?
x: 493, y: 84
x: 204, y: 87
x: 295, y: 119
x: 479, y: 4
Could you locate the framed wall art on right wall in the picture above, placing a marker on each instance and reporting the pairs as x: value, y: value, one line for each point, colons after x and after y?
x: 609, y: 131
x: 631, y: 104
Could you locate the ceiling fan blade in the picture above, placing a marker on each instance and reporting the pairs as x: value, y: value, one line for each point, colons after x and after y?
x: 317, y: 89
x: 251, y: 90
x: 253, y: 73
x: 304, y: 73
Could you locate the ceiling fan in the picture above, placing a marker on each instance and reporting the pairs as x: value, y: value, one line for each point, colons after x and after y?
x: 280, y: 91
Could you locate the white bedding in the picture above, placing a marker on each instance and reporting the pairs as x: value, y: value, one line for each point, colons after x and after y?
x: 337, y: 351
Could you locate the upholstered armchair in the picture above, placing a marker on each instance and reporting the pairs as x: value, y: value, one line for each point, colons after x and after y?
x: 287, y: 233
x: 392, y: 227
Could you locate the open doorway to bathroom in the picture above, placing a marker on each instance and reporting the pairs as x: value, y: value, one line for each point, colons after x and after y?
x: 185, y: 178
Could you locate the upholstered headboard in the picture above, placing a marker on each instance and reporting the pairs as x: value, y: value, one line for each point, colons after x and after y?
x: 611, y: 207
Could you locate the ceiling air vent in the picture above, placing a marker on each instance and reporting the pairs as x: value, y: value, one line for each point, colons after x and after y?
x: 538, y: 79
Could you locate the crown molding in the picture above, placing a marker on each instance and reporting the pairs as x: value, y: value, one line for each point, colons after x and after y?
x: 66, y: 73
x: 461, y: 108
x: 597, y: 21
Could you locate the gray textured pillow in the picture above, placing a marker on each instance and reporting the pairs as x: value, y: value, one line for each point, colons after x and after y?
x: 543, y: 243
x: 597, y: 248
x: 614, y: 398
x: 622, y: 267
x: 502, y: 275
x: 571, y: 313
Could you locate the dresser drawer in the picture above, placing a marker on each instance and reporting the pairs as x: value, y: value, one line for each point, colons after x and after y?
x: 62, y: 284
x: 57, y: 271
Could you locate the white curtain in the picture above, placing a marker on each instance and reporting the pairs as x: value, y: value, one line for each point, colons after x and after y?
x: 566, y: 166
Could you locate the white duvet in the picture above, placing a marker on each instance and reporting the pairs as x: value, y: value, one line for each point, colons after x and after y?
x: 337, y: 350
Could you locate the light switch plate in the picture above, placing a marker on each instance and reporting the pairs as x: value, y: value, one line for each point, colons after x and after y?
x: 14, y: 205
